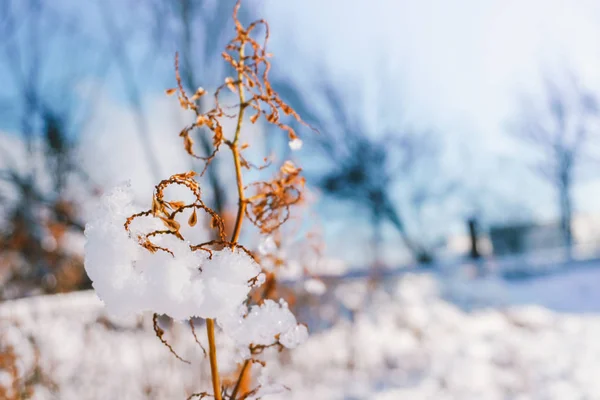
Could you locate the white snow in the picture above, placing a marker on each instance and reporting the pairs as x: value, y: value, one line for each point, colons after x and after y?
x: 295, y: 144
x: 264, y: 325
x: 315, y: 286
x: 131, y: 280
x: 574, y: 291
x: 178, y: 281
x: 404, y: 342
x: 267, y: 245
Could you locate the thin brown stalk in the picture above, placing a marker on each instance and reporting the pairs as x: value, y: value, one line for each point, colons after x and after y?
x: 236, y: 155
x: 210, y: 325
x: 240, y: 187
x: 238, y: 384
x: 212, y: 354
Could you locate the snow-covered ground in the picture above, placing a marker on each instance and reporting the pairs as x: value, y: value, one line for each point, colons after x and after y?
x: 406, y: 342
x: 573, y: 290
x: 576, y: 291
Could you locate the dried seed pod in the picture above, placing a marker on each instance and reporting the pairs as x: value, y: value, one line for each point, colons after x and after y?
x: 171, y: 224
x: 188, y: 143
x: 193, y: 218
x: 184, y: 175
x: 229, y: 83
x: 201, y: 120
x: 288, y: 168
x: 286, y: 109
x: 218, y: 136
x: 199, y: 93
x: 156, y: 207
x: 175, y: 205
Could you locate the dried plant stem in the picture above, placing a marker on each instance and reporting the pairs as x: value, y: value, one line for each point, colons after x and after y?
x: 238, y: 384
x: 236, y: 156
x: 240, y: 187
x: 233, y: 145
x: 212, y: 352
x: 242, y: 201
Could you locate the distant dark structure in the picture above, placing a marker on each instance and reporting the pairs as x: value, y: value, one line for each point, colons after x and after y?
x: 526, y: 237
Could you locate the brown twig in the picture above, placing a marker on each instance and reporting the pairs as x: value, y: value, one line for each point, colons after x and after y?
x: 196, y: 337
x: 159, y: 334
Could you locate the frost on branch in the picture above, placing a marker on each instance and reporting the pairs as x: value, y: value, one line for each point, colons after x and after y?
x: 130, y: 279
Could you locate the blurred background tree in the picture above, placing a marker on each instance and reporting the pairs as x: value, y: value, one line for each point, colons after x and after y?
x: 562, y: 126
x: 40, y: 166
x: 368, y: 167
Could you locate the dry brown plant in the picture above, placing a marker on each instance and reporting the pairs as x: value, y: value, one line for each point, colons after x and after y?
x: 265, y: 204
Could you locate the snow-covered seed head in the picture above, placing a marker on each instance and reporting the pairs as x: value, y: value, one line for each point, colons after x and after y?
x: 271, y: 323
x: 295, y: 144
x: 173, y: 278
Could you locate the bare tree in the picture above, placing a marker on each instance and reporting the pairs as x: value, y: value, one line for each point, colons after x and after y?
x: 560, y: 126
x: 47, y: 115
x: 365, y: 166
